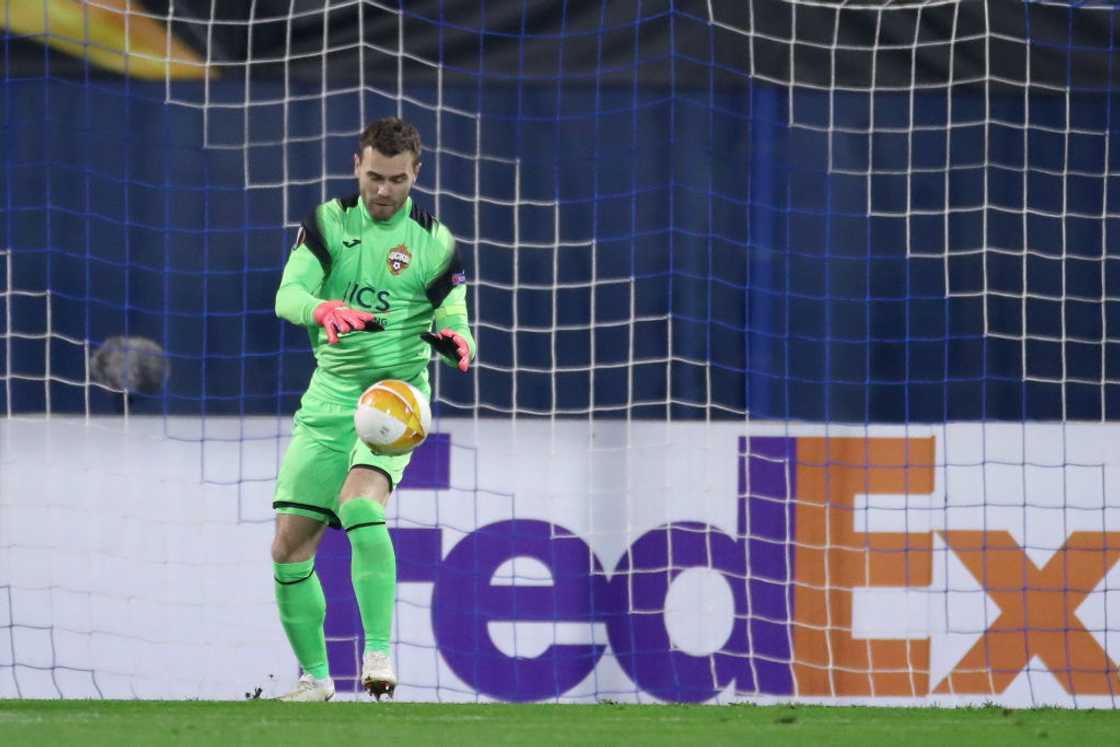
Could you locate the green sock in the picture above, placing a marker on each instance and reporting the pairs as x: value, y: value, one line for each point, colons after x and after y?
x: 373, y: 568
x: 303, y: 608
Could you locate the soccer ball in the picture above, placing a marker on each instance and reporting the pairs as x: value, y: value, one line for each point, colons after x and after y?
x: 393, y: 417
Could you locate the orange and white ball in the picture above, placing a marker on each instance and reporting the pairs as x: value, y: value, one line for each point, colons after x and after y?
x: 393, y: 417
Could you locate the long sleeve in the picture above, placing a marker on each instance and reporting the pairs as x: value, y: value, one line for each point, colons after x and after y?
x: 453, y: 313
x: 303, y: 277
x: 450, y: 292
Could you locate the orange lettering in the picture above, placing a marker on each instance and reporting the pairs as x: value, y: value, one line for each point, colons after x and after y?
x: 831, y: 559
x: 1037, y: 613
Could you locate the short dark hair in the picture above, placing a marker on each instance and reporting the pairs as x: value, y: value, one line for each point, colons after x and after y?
x: 390, y: 136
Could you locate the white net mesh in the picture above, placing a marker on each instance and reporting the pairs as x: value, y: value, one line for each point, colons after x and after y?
x: 736, y: 273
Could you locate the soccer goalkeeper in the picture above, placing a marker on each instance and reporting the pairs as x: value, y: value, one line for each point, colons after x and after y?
x: 369, y: 276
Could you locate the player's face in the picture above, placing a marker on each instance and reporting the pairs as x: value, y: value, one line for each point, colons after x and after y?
x: 385, y: 181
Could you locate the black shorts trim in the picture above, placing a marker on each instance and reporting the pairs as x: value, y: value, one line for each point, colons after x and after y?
x: 329, y: 516
x: 297, y: 581
x: 376, y: 469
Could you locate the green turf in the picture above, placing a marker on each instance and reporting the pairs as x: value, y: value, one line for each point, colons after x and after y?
x: 73, y: 722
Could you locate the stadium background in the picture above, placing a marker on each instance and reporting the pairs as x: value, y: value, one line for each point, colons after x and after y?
x: 735, y: 221
x: 671, y: 214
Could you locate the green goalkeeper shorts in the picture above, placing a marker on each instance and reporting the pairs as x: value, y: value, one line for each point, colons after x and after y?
x: 324, y: 448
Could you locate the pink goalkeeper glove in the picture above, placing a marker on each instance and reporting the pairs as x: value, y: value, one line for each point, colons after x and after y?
x: 336, y: 318
x: 451, y: 344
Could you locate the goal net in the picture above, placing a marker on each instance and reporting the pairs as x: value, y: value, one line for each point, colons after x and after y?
x: 797, y: 355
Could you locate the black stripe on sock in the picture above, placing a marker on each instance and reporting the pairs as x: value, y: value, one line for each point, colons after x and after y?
x: 365, y: 524
x: 298, y: 580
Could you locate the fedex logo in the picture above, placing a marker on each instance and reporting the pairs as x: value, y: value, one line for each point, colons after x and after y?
x: 823, y: 602
x: 1035, y: 607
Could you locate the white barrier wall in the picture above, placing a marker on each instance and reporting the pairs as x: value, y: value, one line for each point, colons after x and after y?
x: 565, y: 561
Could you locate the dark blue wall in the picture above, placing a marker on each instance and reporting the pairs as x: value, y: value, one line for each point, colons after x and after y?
x: 707, y: 208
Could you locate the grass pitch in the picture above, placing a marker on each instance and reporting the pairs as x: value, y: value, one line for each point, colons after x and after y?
x: 268, y: 724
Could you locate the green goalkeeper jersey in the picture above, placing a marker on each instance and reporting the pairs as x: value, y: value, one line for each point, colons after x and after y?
x: 403, y: 270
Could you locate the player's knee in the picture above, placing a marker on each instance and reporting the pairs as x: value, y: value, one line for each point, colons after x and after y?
x: 362, y: 483
x: 281, y: 551
x: 296, y: 539
x: 286, y: 550
x: 363, y: 518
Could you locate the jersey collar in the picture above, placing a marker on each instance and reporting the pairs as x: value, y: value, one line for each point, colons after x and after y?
x: 393, y: 219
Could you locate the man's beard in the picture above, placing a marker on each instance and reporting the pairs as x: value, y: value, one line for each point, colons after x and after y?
x: 382, y: 212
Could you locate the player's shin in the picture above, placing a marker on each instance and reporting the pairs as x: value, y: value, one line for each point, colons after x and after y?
x: 303, y: 608
x: 373, y: 568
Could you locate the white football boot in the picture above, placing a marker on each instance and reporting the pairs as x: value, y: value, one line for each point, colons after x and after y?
x: 310, y: 690
x: 377, y: 675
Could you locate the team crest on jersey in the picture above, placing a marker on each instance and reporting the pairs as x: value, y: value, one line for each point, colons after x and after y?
x: 399, y: 258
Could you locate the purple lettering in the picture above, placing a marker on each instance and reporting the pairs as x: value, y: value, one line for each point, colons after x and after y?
x: 466, y: 597
x: 465, y: 600
x: 637, y: 632
x: 418, y: 558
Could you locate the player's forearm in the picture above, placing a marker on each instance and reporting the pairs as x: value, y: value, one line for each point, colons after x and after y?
x: 295, y: 299
x: 296, y: 305
x: 452, y: 313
